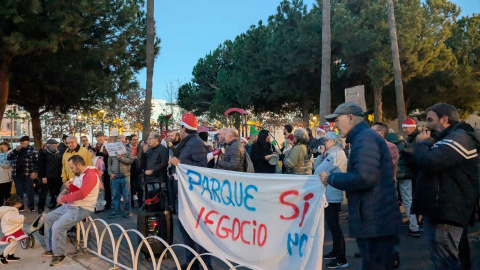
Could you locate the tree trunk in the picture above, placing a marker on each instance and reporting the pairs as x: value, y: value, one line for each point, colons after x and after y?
x: 4, y: 84
x: 326, y: 59
x: 397, y: 69
x: 377, y: 100
x: 306, y: 112
x: 36, y: 128
x: 150, y: 61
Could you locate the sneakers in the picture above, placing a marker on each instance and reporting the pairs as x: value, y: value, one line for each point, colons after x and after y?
x: 48, y: 253
x: 21, y: 209
x: 3, y: 260
x: 57, y: 260
x: 337, y: 264
x: 329, y: 256
x: 12, y: 258
x: 127, y: 215
x: 414, y: 234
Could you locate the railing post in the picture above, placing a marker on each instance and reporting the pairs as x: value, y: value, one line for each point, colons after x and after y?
x: 78, y: 237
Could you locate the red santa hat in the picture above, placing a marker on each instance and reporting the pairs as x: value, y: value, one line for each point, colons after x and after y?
x: 409, y: 122
x: 321, y: 128
x: 189, y: 121
x: 245, y: 139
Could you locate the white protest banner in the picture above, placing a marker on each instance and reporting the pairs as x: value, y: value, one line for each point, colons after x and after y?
x: 264, y: 221
x: 356, y: 95
x: 115, y: 148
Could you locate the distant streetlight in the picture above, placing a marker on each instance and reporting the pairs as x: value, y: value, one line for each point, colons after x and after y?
x: 79, y: 118
x: 102, y: 113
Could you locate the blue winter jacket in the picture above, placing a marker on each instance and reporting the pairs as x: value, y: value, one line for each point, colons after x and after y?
x: 369, y: 185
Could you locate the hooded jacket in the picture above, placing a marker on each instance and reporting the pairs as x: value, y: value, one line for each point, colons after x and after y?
x: 11, y: 220
x: 83, y: 192
x: 373, y: 210
x: 447, y: 181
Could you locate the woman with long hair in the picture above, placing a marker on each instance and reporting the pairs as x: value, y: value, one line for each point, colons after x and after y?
x: 262, y: 152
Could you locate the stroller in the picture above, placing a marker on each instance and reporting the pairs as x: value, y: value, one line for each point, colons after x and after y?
x: 37, y: 225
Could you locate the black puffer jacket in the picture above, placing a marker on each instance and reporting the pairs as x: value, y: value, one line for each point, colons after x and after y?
x: 234, y: 157
x: 447, y: 181
x: 369, y: 185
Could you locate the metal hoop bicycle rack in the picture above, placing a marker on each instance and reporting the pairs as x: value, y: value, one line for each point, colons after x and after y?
x: 83, y: 232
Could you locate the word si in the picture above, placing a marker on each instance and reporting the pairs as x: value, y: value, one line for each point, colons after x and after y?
x: 237, y: 229
x: 298, y: 240
x: 212, y: 186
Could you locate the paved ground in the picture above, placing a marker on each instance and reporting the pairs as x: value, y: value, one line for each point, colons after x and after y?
x: 413, y: 251
x: 31, y: 258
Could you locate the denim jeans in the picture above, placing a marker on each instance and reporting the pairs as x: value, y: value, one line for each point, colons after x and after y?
x: 121, y: 187
x: 405, y: 187
x: 58, y: 222
x: 23, y: 184
x: 377, y: 253
x: 444, y: 241
x: 333, y: 223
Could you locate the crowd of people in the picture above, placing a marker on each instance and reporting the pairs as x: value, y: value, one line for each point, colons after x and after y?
x: 433, y: 171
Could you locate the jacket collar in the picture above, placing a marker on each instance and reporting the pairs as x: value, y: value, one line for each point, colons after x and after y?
x: 356, y: 129
x: 74, y: 150
x: 461, y: 125
x: 232, y: 142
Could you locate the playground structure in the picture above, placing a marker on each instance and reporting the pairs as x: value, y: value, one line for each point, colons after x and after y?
x: 229, y: 114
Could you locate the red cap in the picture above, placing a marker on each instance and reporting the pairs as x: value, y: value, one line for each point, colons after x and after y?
x: 189, y: 121
x: 409, y: 122
x: 321, y: 128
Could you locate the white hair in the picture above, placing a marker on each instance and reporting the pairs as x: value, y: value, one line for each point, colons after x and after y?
x: 301, y: 134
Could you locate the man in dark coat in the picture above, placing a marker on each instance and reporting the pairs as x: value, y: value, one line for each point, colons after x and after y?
x: 156, y: 160
x: 234, y: 157
x: 191, y: 151
x: 49, y: 167
x: 446, y: 155
x: 374, y: 216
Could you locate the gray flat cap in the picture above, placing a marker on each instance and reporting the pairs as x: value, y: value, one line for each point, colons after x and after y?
x: 345, y: 108
x: 52, y: 141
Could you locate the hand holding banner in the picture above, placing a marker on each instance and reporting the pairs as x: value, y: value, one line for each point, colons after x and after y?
x: 264, y: 221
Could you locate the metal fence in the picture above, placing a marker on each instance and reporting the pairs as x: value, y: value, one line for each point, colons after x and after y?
x: 83, y: 235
